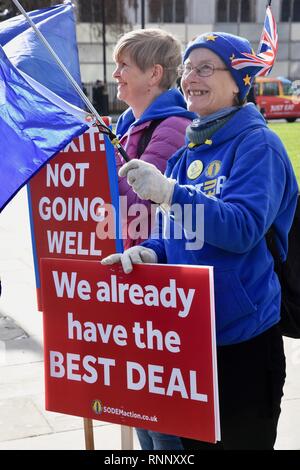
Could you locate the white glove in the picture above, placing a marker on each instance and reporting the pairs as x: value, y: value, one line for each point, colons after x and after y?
x: 148, y: 182
x: 134, y: 255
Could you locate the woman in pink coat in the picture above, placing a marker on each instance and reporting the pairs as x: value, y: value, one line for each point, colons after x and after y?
x: 153, y: 127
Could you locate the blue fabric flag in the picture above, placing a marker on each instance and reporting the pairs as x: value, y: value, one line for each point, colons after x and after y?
x: 35, y: 124
x: 26, y: 51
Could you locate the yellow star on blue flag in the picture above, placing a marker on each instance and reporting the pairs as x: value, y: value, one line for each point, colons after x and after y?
x: 247, y: 80
x: 211, y: 37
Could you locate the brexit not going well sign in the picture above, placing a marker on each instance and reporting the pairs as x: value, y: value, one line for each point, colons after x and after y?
x: 68, y: 199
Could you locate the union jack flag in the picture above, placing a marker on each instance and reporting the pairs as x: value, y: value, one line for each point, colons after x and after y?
x: 264, y: 60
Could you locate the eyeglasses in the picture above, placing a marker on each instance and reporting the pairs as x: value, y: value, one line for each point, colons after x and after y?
x: 204, y: 70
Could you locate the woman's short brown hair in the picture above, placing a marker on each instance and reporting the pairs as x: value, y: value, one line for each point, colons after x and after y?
x: 147, y: 47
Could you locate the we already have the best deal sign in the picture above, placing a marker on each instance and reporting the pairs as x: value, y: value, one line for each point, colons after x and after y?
x: 127, y: 350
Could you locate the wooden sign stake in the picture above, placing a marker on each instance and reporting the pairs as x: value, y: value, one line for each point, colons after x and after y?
x: 88, y: 434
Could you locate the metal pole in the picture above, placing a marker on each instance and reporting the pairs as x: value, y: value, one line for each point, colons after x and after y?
x: 60, y: 64
x: 126, y: 438
x: 186, y: 34
x: 104, y: 41
x: 143, y: 14
x: 239, y: 17
x: 84, y: 98
x: 290, y: 38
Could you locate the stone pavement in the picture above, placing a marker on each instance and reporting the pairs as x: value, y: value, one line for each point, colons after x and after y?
x: 24, y: 422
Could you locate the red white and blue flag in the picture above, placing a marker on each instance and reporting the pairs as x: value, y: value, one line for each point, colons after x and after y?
x: 261, y: 64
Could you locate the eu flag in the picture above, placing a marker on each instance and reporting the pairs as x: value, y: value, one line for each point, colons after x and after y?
x: 25, y: 50
x: 35, y: 124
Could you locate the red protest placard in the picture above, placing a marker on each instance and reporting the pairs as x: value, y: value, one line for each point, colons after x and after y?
x: 67, y: 199
x: 137, y: 349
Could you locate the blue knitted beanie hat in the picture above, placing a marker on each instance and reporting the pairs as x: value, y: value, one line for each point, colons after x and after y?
x: 232, y: 50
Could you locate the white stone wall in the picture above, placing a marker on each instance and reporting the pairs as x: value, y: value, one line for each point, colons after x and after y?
x: 201, y: 18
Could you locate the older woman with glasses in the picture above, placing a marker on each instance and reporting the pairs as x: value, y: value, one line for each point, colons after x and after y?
x: 240, y: 172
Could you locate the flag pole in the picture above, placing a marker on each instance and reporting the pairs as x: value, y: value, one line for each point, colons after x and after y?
x: 88, y: 424
x: 99, y: 121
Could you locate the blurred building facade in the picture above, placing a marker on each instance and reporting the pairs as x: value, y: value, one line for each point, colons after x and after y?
x: 186, y: 19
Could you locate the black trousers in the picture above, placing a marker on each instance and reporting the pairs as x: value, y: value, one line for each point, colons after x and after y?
x: 251, y: 377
